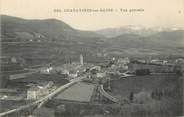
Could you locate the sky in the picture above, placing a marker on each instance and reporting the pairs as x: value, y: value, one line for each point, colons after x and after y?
x: 154, y: 13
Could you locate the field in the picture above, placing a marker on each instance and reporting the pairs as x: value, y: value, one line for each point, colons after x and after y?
x: 156, y: 95
x: 37, y: 78
x: 147, y: 83
x: 78, y: 92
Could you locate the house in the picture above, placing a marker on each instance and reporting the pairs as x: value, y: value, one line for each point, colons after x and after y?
x: 138, y: 61
x: 97, y: 68
x: 179, y: 61
x: 65, y: 72
x: 8, y: 59
x: 101, y: 75
x: 13, y: 60
x: 36, y: 92
x: 47, y: 70
x: 123, y: 61
x: 32, y: 93
x: 157, y: 61
x: 73, y: 73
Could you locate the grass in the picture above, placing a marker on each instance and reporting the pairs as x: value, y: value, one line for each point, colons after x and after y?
x: 169, y: 104
x: 136, y: 84
x: 78, y: 92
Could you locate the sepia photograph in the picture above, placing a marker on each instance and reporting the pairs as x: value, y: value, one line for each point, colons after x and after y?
x: 91, y: 58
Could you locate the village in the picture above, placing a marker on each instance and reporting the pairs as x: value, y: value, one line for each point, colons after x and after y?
x: 96, y: 86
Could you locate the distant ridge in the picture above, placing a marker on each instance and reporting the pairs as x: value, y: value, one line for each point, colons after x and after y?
x: 47, y: 40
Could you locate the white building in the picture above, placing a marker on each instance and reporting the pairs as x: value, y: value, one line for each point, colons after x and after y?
x: 36, y: 92
x: 73, y: 74
x: 46, y: 70
x: 32, y: 93
x: 123, y: 60
x: 98, y: 68
x: 101, y: 75
x: 157, y: 61
x: 13, y: 60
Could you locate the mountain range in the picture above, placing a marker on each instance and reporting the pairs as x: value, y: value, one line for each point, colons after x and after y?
x: 53, y: 39
x: 131, y: 29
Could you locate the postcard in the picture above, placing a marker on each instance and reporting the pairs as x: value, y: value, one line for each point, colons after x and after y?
x: 91, y: 58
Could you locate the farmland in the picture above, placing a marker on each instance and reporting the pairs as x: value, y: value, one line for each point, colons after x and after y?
x: 78, y: 92
x: 169, y: 101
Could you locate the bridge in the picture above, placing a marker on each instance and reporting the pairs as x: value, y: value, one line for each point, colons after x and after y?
x: 106, y: 95
x: 40, y: 102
